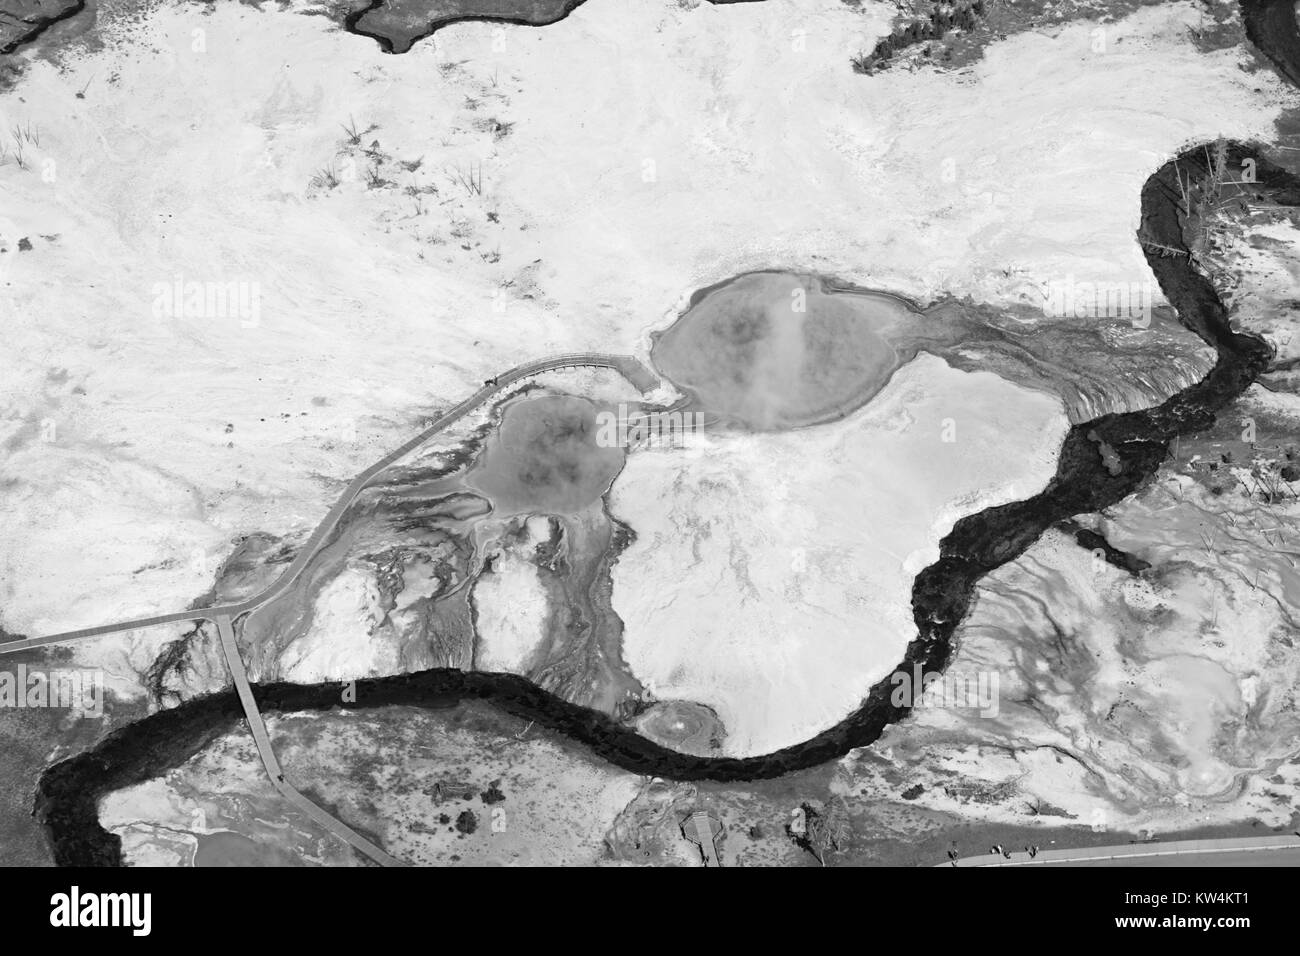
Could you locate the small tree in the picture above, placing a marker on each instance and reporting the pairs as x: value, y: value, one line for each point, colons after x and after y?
x: 824, y: 831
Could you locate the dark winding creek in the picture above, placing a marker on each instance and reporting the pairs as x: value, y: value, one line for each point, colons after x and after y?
x: 68, y: 792
x: 397, y: 25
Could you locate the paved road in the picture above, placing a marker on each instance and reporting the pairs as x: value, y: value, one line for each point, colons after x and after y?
x: 1244, y: 851
x: 235, y: 663
x: 631, y: 369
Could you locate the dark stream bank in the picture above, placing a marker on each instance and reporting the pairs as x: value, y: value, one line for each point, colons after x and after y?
x: 1086, y: 481
x: 35, y: 24
x: 400, y: 30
